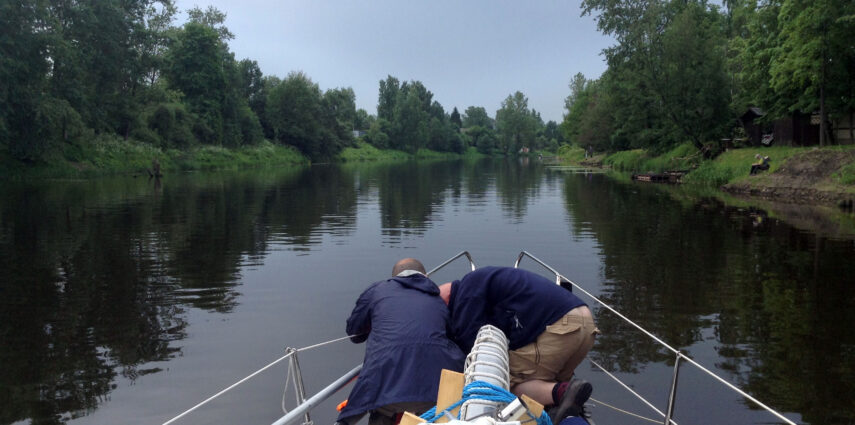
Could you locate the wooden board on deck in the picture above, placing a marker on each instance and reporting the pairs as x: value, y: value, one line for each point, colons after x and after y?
x: 534, y: 408
x: 410, y: 419
x: 450, y: 392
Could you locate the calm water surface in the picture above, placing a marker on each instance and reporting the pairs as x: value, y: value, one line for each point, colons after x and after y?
x: 128, y: 300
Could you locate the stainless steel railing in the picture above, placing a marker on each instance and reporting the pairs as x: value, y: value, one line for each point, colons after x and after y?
x: 679, y: 358
x: 678, y: 355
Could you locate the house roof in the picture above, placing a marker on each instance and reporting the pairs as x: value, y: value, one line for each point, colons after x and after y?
x: 753, y: 112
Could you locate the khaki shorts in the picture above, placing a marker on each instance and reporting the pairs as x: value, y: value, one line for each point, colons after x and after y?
x: 556, y: 352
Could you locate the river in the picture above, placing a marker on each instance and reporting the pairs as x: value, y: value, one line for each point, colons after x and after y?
x: 128, y: 300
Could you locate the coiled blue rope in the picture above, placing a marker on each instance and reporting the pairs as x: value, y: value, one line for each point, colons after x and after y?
x: 481, y: 390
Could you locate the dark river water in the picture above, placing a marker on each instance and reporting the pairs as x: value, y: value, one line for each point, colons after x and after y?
x: 128, y: 301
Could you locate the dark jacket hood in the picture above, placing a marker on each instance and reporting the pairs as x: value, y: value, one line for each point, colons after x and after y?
x: 419, y: 282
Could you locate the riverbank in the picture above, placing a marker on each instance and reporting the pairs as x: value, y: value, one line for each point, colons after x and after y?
x: 796, y: 174
x: 366, y: 152
x: 109, y: 155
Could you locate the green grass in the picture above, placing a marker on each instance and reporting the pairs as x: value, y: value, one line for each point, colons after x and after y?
x: 571, y: 154
x: 105, y: 155
x: 735, y: 164
x: 429, y: 154
x: 366, y: 152
x: 681, y: 157
x: 846, y: 175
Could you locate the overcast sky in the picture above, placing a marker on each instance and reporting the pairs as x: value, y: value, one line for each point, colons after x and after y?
x: 467, y: 53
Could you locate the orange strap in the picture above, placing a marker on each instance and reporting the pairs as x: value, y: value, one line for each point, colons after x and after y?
x: 341, y: 405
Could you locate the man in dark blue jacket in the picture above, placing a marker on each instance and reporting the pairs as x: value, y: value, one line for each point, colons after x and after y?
x: 549, y: 330
x: 404, y: 321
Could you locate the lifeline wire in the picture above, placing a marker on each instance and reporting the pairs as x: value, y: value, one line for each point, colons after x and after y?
x: 626, y: 412
x: 229, y: 388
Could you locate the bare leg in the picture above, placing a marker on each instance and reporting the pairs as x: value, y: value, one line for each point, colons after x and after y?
x: 540, y: 391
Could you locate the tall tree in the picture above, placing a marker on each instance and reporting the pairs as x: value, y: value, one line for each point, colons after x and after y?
x: 516, y: 123
x: 389, y: 89
x: 211, y: 18
x: 455, y: 118
x: 477, y: 115
x: 816, y: 47
x: 23, y: 71
x: 195, y: 67
x: 693, y: 86
x: 666, y: 70
x: 300, y: 118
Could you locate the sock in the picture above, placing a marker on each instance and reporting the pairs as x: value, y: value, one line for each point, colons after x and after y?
x: 558, y: 391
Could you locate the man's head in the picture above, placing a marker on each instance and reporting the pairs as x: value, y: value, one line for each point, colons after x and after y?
x: 445, y: 292
x: 408, y: 264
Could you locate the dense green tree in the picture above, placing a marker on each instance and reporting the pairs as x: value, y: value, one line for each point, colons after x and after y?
x: 378, y: 133
x: 552, y: 134
x: 455, y: 118
x: 23, y: 69
x: 195, y: 68
x: 342, y: 104
x: 693, y: 88
x: 813, y: 66
x: 477, y: 115
x: 340, y: 114
x: 575, y: 104
x: 752, y: 53
x: 666, y: 74
x: 388, y: 98
x: 300, y: 117
x: 362, y: 120
x: 216, y: 88
x: 484, y: 139
x: 411, y: 120
x: 516, y: 124
x: 211, y: 18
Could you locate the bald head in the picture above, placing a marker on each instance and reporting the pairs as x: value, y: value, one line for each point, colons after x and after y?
x: 408, y: 264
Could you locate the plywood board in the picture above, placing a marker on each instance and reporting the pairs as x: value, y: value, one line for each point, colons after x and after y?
x: 533, y: 406
x: 450, y: 392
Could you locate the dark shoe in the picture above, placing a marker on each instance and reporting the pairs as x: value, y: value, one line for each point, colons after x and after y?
x: 573, y: 400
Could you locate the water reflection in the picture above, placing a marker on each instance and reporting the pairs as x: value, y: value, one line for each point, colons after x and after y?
x: 772, y: 294
x: 98, y: 278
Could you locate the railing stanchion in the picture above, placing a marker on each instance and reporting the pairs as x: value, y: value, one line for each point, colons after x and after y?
x: 299, y: 388
x: 673, y: 396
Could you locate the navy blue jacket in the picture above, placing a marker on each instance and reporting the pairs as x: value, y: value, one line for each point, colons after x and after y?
x: 406, y: 322
x: 520, y: 303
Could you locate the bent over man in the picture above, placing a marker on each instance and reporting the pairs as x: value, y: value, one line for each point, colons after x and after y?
x: 549, y: 330
x: 404, y: 322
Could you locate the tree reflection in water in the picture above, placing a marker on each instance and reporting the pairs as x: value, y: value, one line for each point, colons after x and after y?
x: 772, y: 293
x: 98, y: 278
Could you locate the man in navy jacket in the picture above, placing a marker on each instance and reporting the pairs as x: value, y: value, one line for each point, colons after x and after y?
x: 549, y: 330
x: 404, y: 322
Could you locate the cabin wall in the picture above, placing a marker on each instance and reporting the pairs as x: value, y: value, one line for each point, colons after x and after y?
x: 843, y: 129
x: 796, y: 130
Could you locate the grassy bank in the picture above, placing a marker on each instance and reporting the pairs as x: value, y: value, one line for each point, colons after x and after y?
x: 365, y: 152
x: 105, y: 155
x: 798, y: 173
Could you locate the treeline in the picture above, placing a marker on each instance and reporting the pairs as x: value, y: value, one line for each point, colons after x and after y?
x: 72, y: 71
x: 684, y: 70
x: 409, y: 119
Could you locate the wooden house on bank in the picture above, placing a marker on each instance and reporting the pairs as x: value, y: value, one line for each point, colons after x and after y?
x: 795, y: 129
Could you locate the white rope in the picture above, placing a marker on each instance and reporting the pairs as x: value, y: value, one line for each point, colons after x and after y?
x: 269, y: 365
x: 285, y: 391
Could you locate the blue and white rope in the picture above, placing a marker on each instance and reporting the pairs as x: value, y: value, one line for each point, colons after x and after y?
x: 481, y: 390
